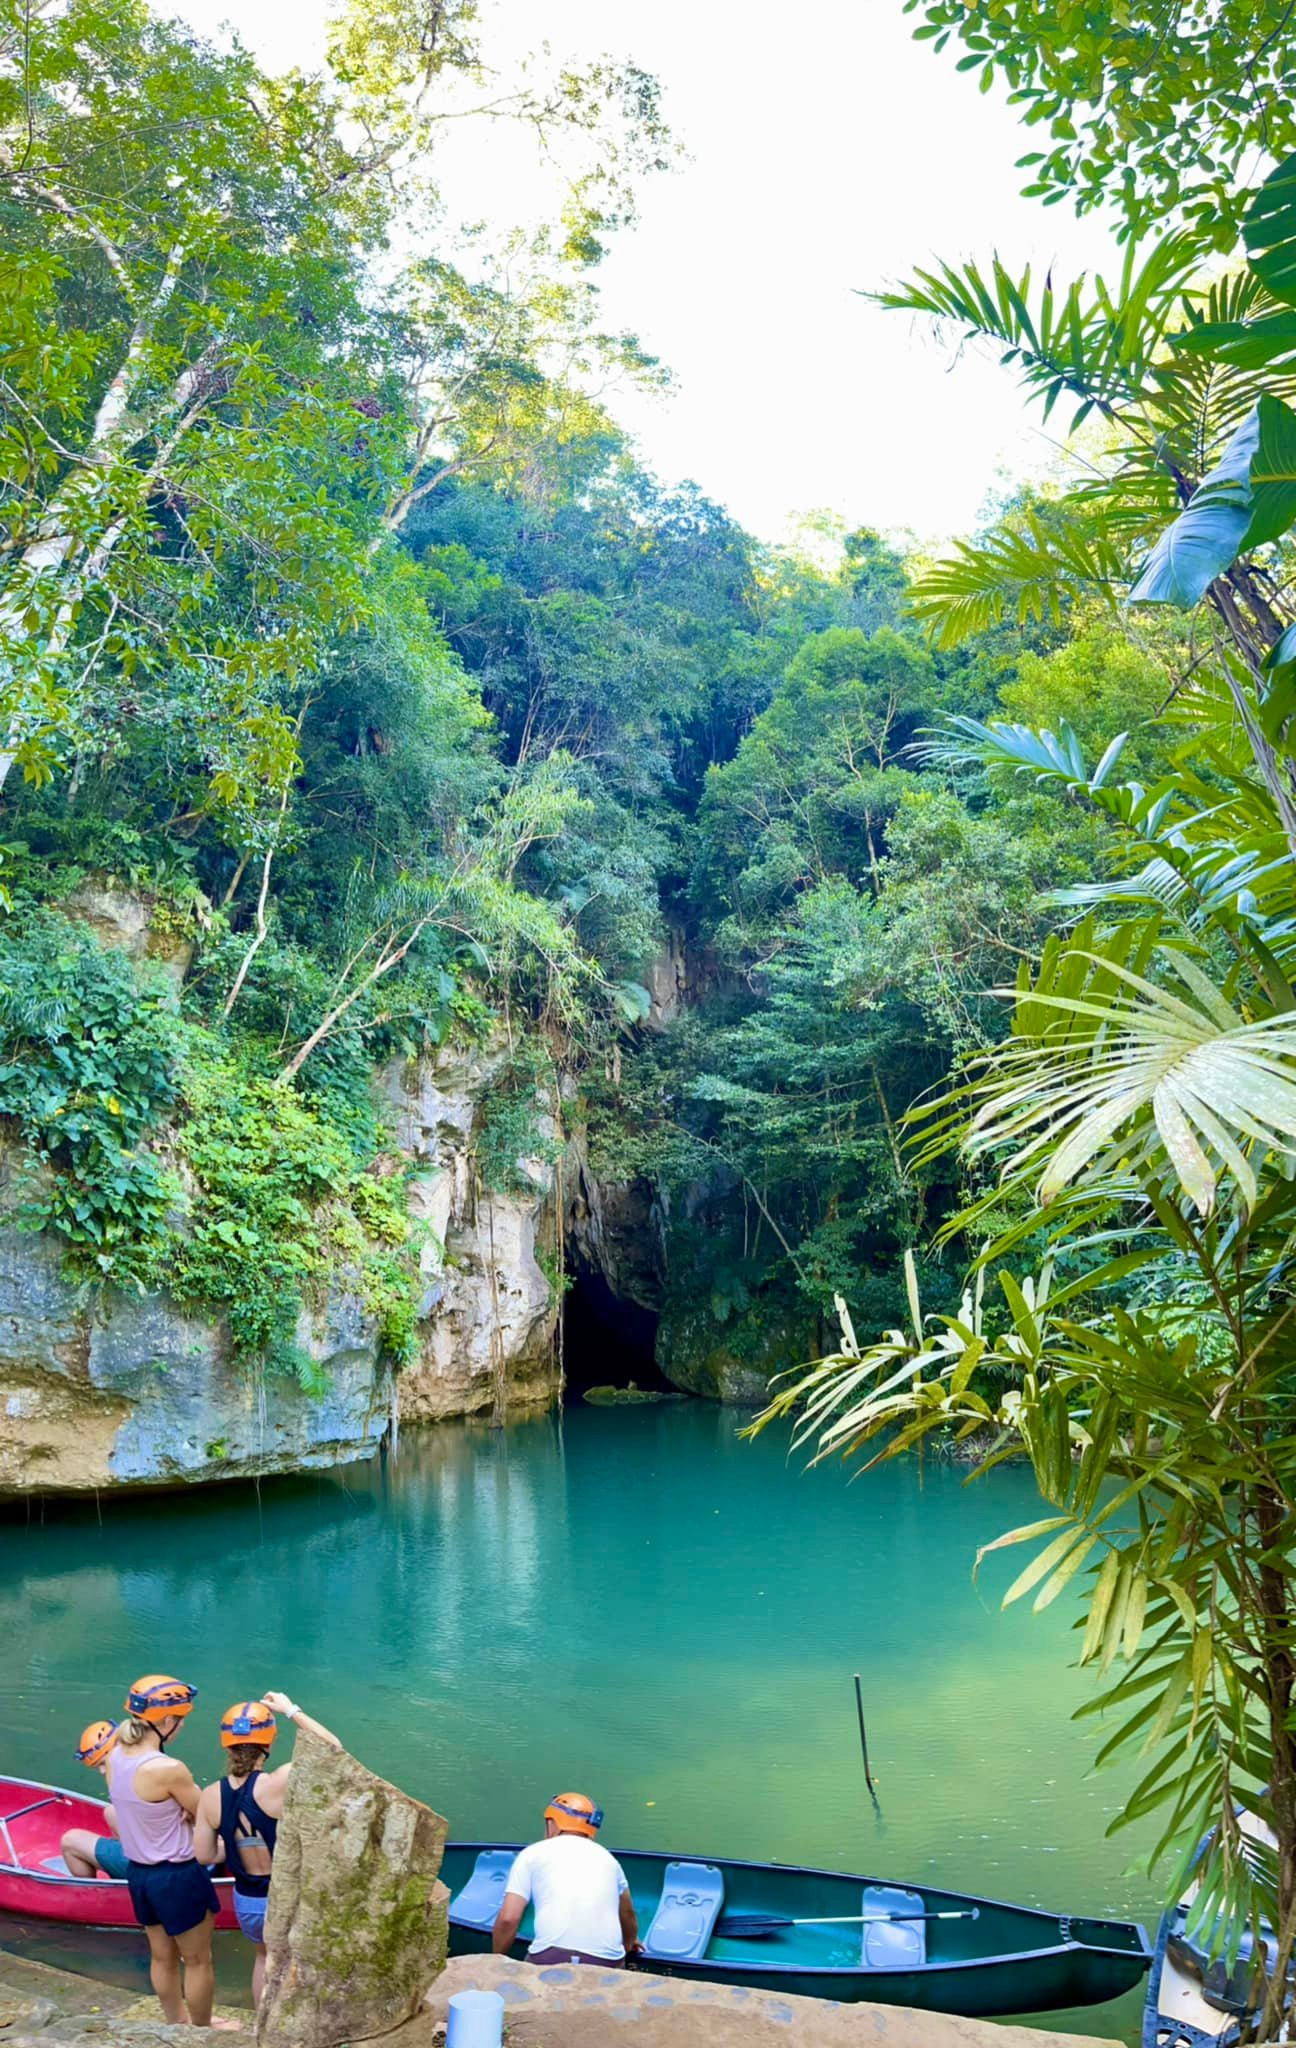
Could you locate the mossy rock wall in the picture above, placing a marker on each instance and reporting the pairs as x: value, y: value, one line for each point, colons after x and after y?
x: 732, y: 1360
x: 357, y: 1925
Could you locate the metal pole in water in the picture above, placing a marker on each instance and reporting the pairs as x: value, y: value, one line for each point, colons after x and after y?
x: 859, y: 1708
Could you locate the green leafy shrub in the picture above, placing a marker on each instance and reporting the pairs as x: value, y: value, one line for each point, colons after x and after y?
x: 510, y: 1128
x: 282, y: 1202
x: 88, y: 1052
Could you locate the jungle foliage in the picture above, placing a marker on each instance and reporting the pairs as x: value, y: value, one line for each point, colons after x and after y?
x: 1127, y: 1207
x: 340, y: 627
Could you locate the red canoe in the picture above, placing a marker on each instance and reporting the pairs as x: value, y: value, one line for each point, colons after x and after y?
x: 33, y: 1876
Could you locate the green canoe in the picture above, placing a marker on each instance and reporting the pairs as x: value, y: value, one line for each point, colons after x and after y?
x: 992, y: 1959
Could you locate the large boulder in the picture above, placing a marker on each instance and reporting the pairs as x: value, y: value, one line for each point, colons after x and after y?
x: 357, y: 1919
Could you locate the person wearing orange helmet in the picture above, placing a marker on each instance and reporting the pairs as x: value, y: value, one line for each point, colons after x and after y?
x: 583, y: 1909
x: 84, y: 1852
x: 155, y: 1799
x: 240, y: 1813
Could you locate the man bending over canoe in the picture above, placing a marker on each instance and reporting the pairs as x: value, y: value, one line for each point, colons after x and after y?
x: 583, y: 1909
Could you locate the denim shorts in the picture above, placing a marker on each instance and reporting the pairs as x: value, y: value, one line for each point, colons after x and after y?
x: 250, y: 1913
x: 111, y: 1857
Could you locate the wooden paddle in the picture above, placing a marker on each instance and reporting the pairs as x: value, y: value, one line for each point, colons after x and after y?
x: 746, y: 1926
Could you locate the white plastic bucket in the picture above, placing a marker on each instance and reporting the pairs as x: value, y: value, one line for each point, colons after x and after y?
x: 476, y: 2020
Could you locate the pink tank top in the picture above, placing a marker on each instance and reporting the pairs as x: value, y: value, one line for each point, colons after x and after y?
x: 151, y: 1830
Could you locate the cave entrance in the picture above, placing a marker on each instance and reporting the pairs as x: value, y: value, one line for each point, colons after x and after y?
x: 607, y: 1342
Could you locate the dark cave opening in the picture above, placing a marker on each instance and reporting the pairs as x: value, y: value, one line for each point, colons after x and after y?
x: 607, y: 1342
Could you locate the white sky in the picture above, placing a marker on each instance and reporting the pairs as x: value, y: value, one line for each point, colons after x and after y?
x: 828, y: 153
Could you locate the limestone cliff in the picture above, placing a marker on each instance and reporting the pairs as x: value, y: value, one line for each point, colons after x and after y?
x: 488, y: 1314
x: 102, y: 1389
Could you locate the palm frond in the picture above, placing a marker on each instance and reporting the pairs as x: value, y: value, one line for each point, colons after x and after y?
x: 1028, y: 570
x: 1091, y: 343
x: 1109, y: 1071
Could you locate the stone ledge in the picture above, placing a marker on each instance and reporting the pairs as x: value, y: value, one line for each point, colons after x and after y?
x: 596, y: 2007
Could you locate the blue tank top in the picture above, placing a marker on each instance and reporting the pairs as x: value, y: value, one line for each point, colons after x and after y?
x: 240, y: 1814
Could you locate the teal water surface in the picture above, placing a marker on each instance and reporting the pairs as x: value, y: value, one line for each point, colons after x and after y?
x: 630, y: 1602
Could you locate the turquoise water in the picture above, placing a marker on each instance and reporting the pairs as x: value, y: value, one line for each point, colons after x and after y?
x: 626, y: 1601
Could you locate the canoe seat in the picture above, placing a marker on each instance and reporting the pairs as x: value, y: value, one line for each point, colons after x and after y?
x: 692, y: 1895
x: 1224, y: 1989
x: 480, y: 1900
x: 893, y: 1944
x: 55, y: 1863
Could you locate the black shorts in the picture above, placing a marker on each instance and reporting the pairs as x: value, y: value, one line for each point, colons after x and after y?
x: 172, y: 1896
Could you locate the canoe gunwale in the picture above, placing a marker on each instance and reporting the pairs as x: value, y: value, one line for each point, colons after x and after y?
x: 104, y: 1889
x: 1139, y: 1957
x: 1006, y: 1957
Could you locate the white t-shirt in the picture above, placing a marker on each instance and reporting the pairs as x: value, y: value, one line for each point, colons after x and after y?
x: 575, y: 1886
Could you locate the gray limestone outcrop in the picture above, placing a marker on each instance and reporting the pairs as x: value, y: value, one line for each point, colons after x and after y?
x: 101, y: 1389
x: 488, y: 1313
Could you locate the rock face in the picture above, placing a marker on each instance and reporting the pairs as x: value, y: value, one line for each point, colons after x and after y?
x: 617, y: 1229
x: 122, y: 917
x: 357, y: 1919
x: 488, y: 1315
x: 100, y: 1389
x: 725, y: 1363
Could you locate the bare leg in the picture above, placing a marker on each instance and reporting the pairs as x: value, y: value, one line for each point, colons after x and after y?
x: 78, y: 1847
x: 164, y: 1970
x: 199, y: 1973
x: 258, y: 1973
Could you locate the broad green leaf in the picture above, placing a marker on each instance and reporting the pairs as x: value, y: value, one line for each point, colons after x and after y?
x: 1024, y: 1535
x: 1208, y: 534
x: 1175, y: 1693
x: 1039, y: 1566
x: 1273, y: 475
x: 1202, y: 1657
x: 1063, y: 1576
x: 1269, y: 230
x: 1104, y: 1588
x: 1135, y: 1608
x: 1245, y: 344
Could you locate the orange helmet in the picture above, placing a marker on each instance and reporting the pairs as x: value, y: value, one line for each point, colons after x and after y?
x: 248, y: 1721
x: 95, y: 1743
x: 573, y: 1814
x: 155, y: 1698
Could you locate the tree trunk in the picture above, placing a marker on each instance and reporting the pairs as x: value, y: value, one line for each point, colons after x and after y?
x: 61, y: 563
x: 1280, y: 1682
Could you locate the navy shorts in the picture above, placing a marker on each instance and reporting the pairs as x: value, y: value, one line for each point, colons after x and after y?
x: 172, y: 1896
x: 111, y: 1857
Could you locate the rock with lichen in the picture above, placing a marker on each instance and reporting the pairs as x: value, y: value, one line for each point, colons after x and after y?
x: 356, y: 1925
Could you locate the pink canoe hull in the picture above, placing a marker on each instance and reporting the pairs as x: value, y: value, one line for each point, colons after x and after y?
x: 33, y: 1820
